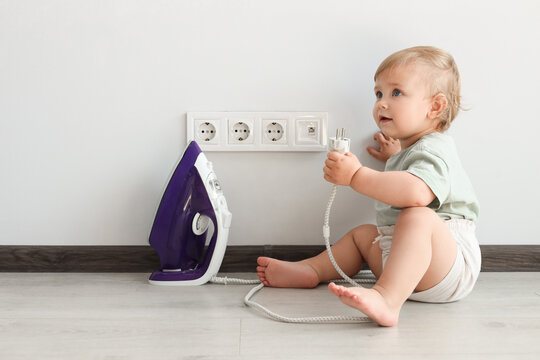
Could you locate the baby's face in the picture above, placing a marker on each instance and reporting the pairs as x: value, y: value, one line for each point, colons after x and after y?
x: 403, y: 102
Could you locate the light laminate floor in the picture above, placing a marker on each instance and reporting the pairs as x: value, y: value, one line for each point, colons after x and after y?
x: 121, y: 316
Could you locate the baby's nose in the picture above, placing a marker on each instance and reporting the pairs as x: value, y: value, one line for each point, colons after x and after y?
x: 383, y: 105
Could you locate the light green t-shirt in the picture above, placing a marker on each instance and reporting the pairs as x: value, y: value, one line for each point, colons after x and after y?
x: 434, y: 159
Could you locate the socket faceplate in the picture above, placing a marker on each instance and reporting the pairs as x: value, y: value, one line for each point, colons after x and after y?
x: 205, y: 131
x: 258, y: 131
x: 274, y: 131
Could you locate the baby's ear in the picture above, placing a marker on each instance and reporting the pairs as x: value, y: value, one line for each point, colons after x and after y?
x: 439, y: 103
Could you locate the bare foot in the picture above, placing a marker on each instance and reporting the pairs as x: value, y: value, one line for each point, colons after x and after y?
x: 368, y: 301
x: 278, y: 273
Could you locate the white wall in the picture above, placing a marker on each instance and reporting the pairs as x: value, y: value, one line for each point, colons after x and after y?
x: 93, y: 97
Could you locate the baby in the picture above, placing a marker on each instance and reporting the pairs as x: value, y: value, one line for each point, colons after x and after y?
x: 424, y: 246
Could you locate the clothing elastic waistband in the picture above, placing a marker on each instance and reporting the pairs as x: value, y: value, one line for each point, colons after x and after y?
x: 453, y: 224
x: 461, y: 224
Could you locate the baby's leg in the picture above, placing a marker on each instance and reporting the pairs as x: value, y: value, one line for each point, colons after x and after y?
x: 423, y: 252
x: 349, y: 252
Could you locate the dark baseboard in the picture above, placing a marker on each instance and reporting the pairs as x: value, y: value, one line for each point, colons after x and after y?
x: 237, y: 258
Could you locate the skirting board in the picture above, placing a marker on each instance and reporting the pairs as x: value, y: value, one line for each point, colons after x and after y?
x: 237, y: 258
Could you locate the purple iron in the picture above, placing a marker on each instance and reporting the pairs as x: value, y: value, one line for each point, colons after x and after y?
x: 192, y: 223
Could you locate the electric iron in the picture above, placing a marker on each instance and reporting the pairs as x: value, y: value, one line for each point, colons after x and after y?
x: 191, y: 228
x: 192, y: 223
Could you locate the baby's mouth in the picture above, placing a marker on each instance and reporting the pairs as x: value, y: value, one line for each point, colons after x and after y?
x: 384, y: 118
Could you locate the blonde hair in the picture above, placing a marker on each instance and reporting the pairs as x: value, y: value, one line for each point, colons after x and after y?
x: 444, y: 76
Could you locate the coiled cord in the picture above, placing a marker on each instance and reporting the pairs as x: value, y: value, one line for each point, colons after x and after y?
x: 326, y: 235
x: 365, y: 277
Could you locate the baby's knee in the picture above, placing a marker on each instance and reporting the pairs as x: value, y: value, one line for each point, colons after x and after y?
x: 364, y: 233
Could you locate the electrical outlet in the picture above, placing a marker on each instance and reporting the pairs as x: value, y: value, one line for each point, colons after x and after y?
x: 240, y: 131
x: 206, y: 131
x: 258, y: 131
x: 274, y: 131
x: 206, y: 128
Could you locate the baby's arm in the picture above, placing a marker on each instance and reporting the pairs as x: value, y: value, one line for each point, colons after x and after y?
x: 396, y: 188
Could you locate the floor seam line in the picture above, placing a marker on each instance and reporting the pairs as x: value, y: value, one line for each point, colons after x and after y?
x: 240, y: 340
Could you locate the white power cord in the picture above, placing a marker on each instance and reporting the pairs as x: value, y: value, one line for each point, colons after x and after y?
x: 364, y: 277
x: 342, y: 145
x: 326, y: 235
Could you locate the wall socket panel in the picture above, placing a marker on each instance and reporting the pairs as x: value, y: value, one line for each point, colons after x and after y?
x: 258, y: 131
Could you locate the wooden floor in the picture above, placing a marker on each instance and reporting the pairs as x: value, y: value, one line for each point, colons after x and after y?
x: 121, y: 316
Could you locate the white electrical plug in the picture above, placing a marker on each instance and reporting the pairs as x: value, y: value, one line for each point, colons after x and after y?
x: 340, y: 143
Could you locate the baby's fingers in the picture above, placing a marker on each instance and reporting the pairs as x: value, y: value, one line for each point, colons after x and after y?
x: 375, y: 153
x: 381, y: 138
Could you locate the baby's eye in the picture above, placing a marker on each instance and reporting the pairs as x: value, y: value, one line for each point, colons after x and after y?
x: 378, y: 94
x: 396, y: 92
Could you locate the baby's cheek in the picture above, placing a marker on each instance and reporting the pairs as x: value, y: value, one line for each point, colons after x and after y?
x: 375, y: 113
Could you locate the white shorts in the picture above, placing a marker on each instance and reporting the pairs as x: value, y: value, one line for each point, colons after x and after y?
x: 461, y: 279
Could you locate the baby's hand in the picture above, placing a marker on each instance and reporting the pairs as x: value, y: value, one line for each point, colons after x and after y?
x: 340, y: 168
x: 388, y: 147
